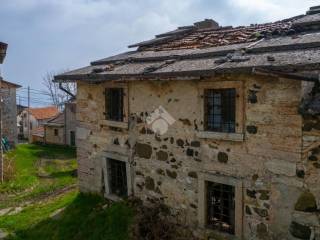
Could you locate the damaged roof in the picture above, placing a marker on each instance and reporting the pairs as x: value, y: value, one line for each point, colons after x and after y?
x: 291, y: 45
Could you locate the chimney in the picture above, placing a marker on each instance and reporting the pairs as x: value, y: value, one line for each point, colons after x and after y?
x: 314, y: 10
x: 207, y: 24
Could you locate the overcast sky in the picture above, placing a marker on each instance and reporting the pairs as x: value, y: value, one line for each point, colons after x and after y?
x: 54, y: 35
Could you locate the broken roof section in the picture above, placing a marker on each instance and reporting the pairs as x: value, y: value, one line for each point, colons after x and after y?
x: 205, y: 48
x: 3, y: 50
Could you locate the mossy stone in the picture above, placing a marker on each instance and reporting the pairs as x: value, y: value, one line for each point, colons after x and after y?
x: 143, y: 150
x: 223, y: 157
x: 252, y: 129
x: 300, y: 231
x: 180, y: 142
x: 171, y: 174
x: 264, y: 195
x: 160, y: 171
x: 162, y: 156
x: 306, y: 203
x: 150, y: 183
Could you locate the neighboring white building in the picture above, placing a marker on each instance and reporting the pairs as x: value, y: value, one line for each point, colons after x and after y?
x: 38, y: 116
x: 62, y: 128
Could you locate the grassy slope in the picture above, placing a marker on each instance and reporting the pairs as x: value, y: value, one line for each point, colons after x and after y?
x: 56, y: 165
x: 83, y: 216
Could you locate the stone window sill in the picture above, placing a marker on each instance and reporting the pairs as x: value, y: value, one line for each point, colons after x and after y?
x: 109, y: 123
x: 113, y: 198
x: 235, y: 137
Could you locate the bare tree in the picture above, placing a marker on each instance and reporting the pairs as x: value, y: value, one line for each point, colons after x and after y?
x: 58, y: 96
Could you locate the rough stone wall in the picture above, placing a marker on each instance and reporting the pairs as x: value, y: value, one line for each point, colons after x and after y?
x: 306, y: 209
x: 9, y: 112
x: 167, y: 167
x: 51, y: 138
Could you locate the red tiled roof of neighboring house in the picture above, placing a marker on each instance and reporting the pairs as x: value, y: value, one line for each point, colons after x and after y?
x: 39, y: 131
x: 44, y: 113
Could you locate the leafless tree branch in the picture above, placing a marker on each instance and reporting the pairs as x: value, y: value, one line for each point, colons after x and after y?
x: 58, y: 97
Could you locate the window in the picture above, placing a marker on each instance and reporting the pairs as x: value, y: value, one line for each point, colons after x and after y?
x: 117, y: 177
x: 56, y: 132
x: 220, y: 110
x: 114, y: 104
x: 30, y: 125
x: 72, y: 138
x: 221, y: 207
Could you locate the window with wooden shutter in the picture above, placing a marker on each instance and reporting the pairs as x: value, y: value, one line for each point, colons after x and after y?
x: 114, y: 104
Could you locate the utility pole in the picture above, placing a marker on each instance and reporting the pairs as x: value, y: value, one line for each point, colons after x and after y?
x: 28, y: 115
x: 1, y: 147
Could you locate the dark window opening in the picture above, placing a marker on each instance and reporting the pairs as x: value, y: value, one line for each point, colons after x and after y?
x: 117, y: 176
x: 30, y: 125
x: 220, y: 110
x: 72, y: 138
x: 114, y: 104
x: 221, y: 207
x: 56, y: 132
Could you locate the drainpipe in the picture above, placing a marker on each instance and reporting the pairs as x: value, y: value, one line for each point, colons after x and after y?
x: 65, y: 90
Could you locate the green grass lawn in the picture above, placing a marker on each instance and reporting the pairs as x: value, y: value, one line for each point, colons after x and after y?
x: 83, y: 218
x: 39, y: 172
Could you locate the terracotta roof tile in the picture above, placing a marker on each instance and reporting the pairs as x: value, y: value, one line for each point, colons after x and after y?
x: 202, y: 38
x: 44, y: 113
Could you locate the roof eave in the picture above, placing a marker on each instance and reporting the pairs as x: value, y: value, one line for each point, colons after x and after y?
x: 94, y: 78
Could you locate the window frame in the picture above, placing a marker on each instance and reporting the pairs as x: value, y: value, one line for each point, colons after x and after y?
x: 109, y: 114
x: 118, y: 157
x: 116, y: 165
x: 239, y: 203
x: 210, y: 93
x: 111, y: 123
x: 238, y: 135
x: 213, y: 189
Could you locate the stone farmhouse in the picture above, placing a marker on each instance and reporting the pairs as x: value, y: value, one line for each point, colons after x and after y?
x: 62, y: 128
x: 221, y: 124
x: 9, y: 110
